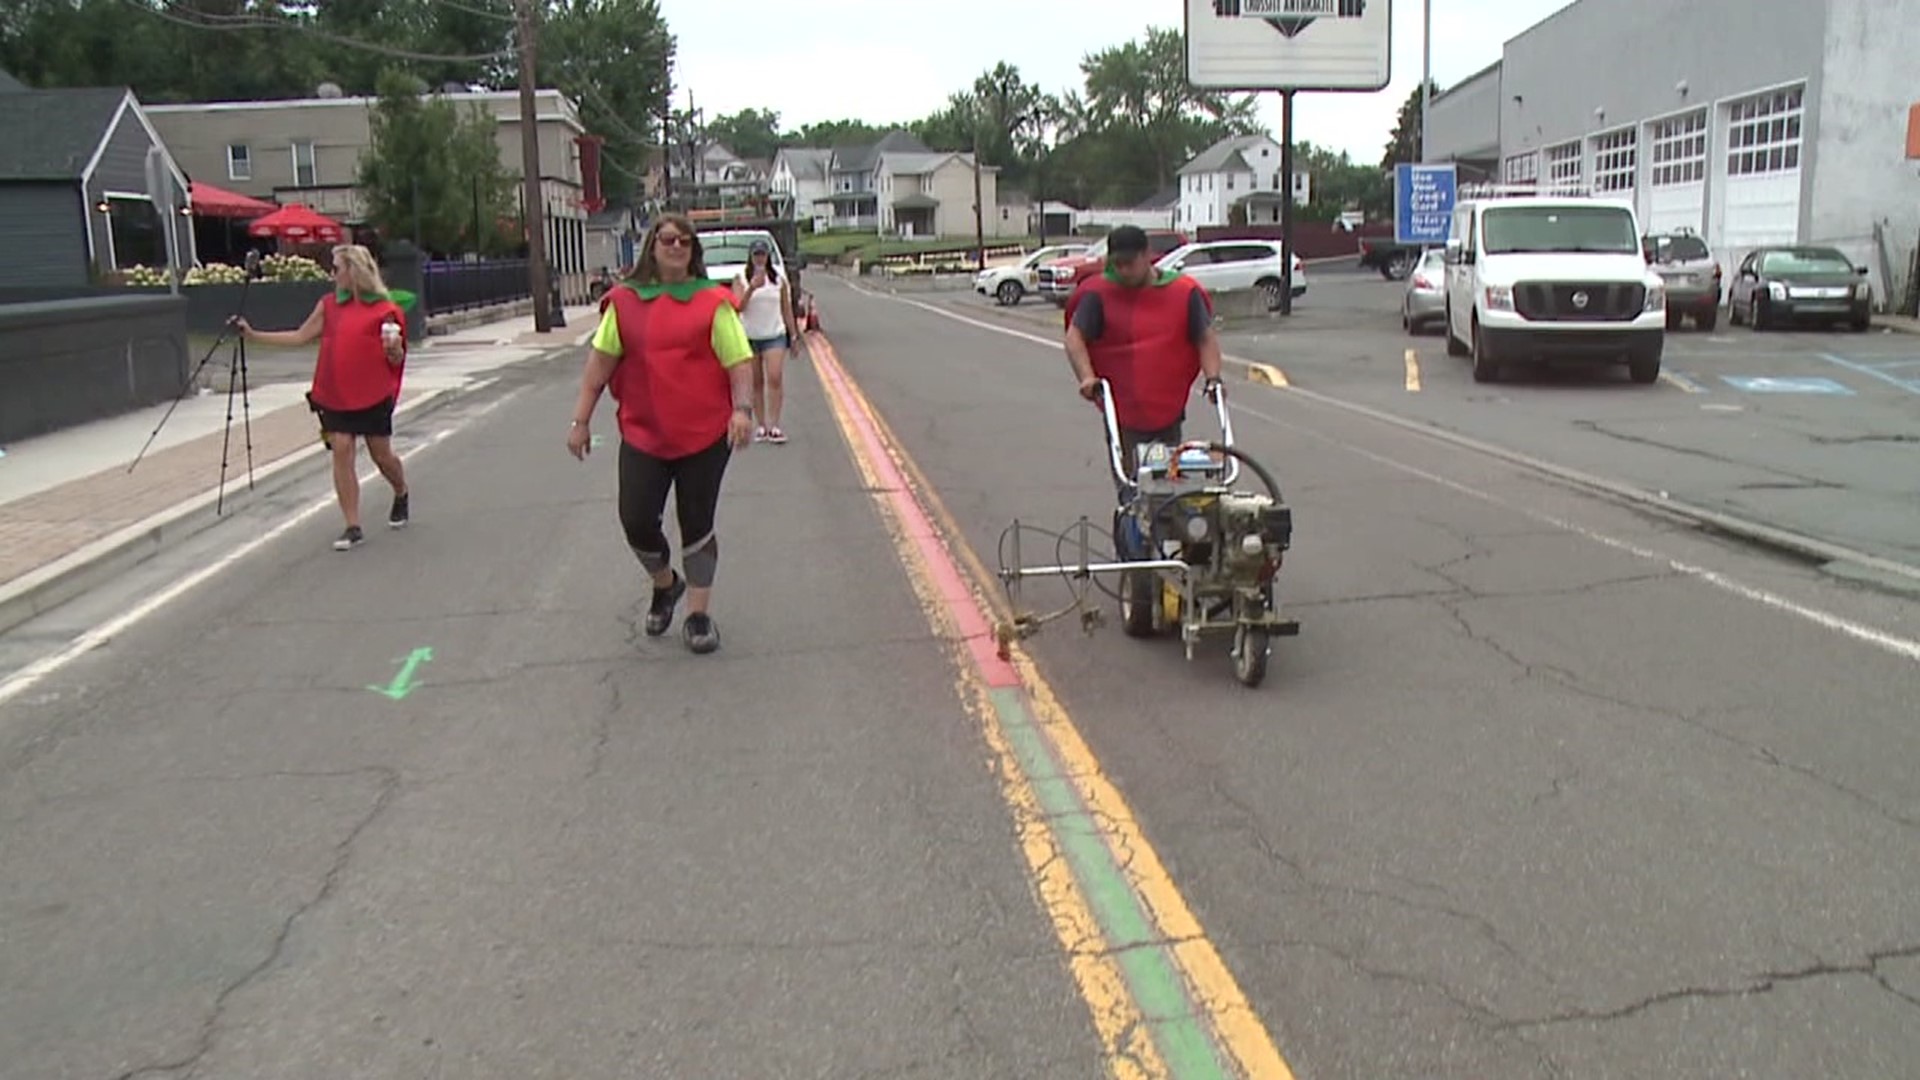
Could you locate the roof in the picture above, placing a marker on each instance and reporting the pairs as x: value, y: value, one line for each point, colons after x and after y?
x: 917, y: 201
x: 1221, y: 155
x: 903, y: 163
x: 51, y: 135
x: 864, y: 158
x: 1160, y: 200
x: 806, y: 162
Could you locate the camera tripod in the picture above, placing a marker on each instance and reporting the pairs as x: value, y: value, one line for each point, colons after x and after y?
x: 236, y: 384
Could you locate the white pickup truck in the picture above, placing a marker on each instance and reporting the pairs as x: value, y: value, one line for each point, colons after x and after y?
x: 1549, y: 277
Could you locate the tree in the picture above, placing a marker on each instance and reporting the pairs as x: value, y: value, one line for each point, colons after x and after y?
x: 749, y: 133
x: 431, y: 167
x: 1140, y: 92
x: 1404, y: 144
x: 614, y: 57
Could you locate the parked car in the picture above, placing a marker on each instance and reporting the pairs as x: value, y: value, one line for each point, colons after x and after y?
x: 1236, y: 266
x: 1008, y: 284
x: 1795, y: 283
x: 1392, y: 258
x: 1425, y: 301
x: 1691, y: 273
x: 1059, y: 278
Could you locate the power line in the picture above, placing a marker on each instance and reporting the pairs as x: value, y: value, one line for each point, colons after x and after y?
x: 224, y: 23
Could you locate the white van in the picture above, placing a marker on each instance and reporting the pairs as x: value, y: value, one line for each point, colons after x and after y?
x: 1549, y: 277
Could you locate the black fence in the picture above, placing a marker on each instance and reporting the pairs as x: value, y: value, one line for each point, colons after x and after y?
x: 460, y: 286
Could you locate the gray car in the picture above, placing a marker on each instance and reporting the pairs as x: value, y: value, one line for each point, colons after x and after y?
x: 1692, y: 276
x: 1425, y: 302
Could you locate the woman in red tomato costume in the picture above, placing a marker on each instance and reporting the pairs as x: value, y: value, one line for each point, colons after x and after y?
x: 362, y: 329
x: 673, y: 352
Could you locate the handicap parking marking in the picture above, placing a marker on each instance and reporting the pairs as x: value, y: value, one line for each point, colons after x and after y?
x: 1881, y: 370
x: 1763, y: 384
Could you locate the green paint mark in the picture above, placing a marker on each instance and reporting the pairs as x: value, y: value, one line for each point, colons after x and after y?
x: 403, y: 683
x: 596, y: 440
x: 1156, y: 984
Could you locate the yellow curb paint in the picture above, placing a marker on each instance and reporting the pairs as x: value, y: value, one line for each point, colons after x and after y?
x: 1413, y: 372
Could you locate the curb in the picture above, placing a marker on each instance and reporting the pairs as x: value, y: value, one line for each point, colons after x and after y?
x: 1797, y: 545
x: 46, y: 588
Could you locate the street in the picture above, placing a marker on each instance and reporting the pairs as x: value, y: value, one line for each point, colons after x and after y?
x: 1548, y: 786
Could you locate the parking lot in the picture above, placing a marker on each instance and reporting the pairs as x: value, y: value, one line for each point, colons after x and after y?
x: 1810, y: 431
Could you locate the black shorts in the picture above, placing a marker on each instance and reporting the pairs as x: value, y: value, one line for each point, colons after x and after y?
x: 374, y: 420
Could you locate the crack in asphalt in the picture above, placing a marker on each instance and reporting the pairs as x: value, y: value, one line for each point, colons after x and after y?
x: 1599, y: 428
x: 343, y: 853
x: 1762, y: 983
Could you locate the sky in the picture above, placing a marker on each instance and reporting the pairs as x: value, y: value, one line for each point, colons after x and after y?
x: 815, y: 60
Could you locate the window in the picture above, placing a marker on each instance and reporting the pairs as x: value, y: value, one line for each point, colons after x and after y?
x: 1614, y: 160
x: 1559, y: 229
x: 134, y: 226
x: 1806, y: 261
x: 239, y: 162
x: 1564, y: 164
x: 303, y: 171
x: 1680, y: 149
x: 1523, y: 169
x: 1763, y: 134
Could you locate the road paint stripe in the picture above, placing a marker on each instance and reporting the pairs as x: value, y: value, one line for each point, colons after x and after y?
x: 1176, y: 979
x: 1265, y: 373
x: 1674, y: 378
x: 1911, y: 386
x: 22, y: 680
x: 1413, y: 372
x: 1907, y: 648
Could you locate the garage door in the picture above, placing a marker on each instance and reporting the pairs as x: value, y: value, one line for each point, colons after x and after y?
x: 1677, y: 180
x: 1759, y: 198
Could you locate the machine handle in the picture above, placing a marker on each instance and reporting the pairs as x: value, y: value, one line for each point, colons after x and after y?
x: 1112, y: 421
x: 1219, y: 396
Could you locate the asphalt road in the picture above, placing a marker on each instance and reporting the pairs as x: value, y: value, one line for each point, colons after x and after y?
x: 1812, y: 431
x: 1545, y: 788
x: 1526, y: 798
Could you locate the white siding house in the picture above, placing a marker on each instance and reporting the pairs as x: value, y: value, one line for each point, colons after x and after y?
x: 1244, y: 169
x: 800, y: 180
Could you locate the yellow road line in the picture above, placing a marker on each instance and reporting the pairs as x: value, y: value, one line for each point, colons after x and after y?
x: 1265, y: 373
x: 1413, y: 371
x: 1237, y: 1027
x: 1122, y: 1028
x: 1682, y: 382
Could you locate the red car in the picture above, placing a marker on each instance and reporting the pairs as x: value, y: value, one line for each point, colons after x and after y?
x: 1059, y: 278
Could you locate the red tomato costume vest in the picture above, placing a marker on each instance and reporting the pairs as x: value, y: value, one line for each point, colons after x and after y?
x: 352, y: 371
x: 1143, y: 351
x: 675, y: 397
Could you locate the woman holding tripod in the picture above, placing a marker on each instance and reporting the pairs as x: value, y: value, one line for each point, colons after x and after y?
x: 356, y: 379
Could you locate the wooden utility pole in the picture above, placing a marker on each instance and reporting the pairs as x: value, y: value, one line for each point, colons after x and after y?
x: 979, y: 212
x: 535, y: 214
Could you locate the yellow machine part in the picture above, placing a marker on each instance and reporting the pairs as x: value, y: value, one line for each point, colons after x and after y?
x: 1169, y: 603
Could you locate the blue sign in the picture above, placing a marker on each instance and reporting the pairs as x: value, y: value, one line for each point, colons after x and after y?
x: 1423, y: 203
x: 1767, y: 385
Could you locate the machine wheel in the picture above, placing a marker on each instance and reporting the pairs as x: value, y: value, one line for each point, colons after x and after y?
x: 1250, y: 645
x: 1139, y: 599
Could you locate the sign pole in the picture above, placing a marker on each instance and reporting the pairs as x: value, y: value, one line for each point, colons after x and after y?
x: 1426, y: 74
x: 1286, y: 202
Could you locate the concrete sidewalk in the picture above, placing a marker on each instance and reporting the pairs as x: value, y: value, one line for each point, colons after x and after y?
x: 75, y: 507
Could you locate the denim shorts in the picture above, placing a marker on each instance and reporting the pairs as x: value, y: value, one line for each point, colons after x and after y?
x: 778, y: 341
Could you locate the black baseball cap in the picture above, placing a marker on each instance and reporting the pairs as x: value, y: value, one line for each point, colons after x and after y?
x: 1126, y: 241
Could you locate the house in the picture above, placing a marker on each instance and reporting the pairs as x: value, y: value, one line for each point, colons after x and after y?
x: 75, y: 196
x: 798, y: 181
x: 611, y: 235
x: 1240, y: 171
x: 928, y: 194
x: 308, y: 150
x: 853, y: 196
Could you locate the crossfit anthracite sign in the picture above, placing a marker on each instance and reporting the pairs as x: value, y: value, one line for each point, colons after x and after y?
x: 1289, y: 44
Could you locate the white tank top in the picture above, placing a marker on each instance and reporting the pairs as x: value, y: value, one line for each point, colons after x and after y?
x: 762, y: 316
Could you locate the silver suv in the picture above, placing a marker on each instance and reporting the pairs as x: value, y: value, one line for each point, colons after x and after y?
x: 1685, y: 263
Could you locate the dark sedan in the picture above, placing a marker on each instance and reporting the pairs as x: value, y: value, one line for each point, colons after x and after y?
x: 1786, y: 284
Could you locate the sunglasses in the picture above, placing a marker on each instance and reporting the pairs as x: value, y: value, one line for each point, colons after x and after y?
x: 673, y: 240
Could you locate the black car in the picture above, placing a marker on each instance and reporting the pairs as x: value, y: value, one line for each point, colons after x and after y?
x: 1789, y: 283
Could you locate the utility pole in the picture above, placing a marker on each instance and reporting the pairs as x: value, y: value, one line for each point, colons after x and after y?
x: 535, y: 214
x: 1426, y: 74
x: 979, y: 212
x: 1286, y: 202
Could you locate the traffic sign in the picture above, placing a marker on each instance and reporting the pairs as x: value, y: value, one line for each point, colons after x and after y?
x: 1423, y: 203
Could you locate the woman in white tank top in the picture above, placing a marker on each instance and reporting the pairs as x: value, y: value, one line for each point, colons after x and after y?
x: 765, y: 302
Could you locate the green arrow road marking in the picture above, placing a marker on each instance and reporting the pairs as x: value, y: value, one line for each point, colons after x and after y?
x: 402, y: 683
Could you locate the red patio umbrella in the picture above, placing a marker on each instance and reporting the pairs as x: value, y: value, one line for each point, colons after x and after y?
x: 296, y: 222
x: 210, y: 201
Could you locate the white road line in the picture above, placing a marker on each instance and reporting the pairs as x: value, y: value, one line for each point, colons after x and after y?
x: 27, y: 677
x: 1907, y: 648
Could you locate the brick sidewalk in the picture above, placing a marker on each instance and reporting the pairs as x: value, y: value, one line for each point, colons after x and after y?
x: 43, y: 528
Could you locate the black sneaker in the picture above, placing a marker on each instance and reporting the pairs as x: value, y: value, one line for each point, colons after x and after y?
x: 351, y: 538
x: 397, y: 517
x: 660, y: 611
x: 702, y: 636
